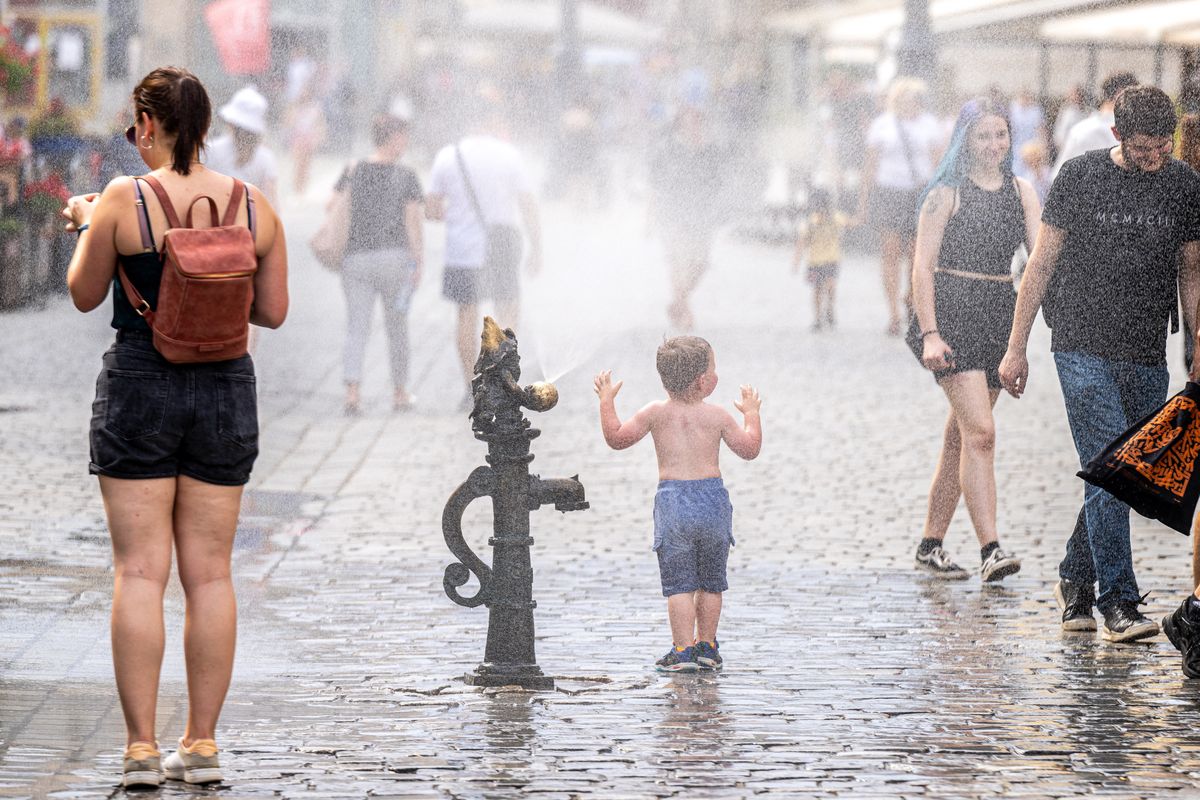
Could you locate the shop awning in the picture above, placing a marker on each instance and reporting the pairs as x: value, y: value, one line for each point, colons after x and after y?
x: 1154, y: 22
x: 873, y: 22
x: 543, y: 18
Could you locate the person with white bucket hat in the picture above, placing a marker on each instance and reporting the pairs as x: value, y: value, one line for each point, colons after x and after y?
x: 241, y: 152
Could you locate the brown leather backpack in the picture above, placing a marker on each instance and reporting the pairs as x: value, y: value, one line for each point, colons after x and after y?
x: 207, y: 284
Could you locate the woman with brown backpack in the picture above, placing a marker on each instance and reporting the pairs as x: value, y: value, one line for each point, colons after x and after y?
x: 174, y: 429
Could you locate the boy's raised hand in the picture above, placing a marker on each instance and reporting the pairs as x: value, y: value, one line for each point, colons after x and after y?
x: 605, y: 388
x: 750, y: 401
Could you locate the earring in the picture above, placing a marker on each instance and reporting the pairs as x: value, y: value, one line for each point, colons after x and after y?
x: 149, y: 146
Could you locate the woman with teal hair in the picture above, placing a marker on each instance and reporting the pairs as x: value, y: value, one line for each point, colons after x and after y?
x: 974, y: 215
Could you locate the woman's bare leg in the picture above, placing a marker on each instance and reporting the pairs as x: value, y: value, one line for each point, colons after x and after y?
x: 139, y: 521
x: 972, y: 400
x: 205, y: 522
x: 945, y: 491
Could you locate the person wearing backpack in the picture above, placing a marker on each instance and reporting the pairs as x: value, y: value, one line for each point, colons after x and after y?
x: 174, y: 430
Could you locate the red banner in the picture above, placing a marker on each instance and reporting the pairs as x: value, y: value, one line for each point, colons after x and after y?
x: 241, y: 30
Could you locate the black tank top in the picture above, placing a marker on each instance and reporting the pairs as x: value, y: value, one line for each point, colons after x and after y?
x: 145, y: 273
x: 985, y: 232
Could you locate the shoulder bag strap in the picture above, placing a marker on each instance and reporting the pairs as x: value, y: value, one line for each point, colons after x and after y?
x: 908, y: 154
x: 165, y: 200
x: 462, y: 165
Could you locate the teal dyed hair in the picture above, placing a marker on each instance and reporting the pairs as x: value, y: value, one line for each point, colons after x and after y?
x: 956, y: 163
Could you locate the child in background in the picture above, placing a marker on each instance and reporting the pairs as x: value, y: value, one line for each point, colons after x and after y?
x: 820, y: 246
x: 693, y: 519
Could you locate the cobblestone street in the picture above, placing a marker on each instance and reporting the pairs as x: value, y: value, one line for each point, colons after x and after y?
x: 847, y: 673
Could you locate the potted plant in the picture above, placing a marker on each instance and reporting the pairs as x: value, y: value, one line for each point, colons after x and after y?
x: 46, y: 197
x: 11, y: 263
x: 16, y: 68
x: 55, y: 133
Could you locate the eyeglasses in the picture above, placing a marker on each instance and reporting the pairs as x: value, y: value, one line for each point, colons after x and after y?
x: 131, y: 134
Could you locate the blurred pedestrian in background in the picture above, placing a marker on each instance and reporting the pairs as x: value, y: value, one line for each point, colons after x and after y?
x: 481, y: 188
x: 241, y: 152
x: 172, y: 444
x: 383, y: 258
x: 975, y: 215
x: 819, y: 247
x: 687, y: 175
x: 305, y: 133
x: 1094, y: 132
x: 1028, y: 124
x: 903, y: 144
x: 1074, y: 109
x: 1035, y: 159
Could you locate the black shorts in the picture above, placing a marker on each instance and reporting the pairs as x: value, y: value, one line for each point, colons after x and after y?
x: 154, y: 419
x: 464, y: 285
x: 819, y: 273
x: 894, y: 210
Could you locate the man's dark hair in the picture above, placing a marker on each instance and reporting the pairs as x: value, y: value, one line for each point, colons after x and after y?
x: 1145, y: 110
x: 384, y: 127
x: 1114, y: 83
x: 682, y: 359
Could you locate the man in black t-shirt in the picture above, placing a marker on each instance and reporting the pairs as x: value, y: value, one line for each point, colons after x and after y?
x: 1105, y: 271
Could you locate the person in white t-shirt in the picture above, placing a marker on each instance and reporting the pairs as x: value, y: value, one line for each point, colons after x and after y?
x: 479, y: 186
x: 240, y: 152
x: 903, y: 145
x: 1095, y: 131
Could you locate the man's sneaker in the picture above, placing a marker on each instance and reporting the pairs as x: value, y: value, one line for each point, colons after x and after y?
x: 707, y: 656
x: 143, y: 765
x: 1124, y: 623
x: 1183, y: 629
x: 1075, y: 601
x: 939, y: 565
x: 195, y: 764
x: 678, y: 661
x: 999, y: 565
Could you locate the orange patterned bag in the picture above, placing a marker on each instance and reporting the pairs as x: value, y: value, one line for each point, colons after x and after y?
x: 1152, y: 466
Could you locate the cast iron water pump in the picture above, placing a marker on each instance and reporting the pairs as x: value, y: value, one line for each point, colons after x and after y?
x: 506, y: 587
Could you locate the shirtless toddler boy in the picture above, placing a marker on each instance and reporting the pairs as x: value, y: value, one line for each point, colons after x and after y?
x: 693, y: 519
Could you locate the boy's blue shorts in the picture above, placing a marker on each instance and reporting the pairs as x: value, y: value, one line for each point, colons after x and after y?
x: 693, y: 530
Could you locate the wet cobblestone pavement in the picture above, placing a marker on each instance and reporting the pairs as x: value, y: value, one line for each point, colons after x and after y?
x: 848, y: 675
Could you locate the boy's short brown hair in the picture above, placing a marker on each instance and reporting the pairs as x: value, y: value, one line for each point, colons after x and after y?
x: 682, y: 359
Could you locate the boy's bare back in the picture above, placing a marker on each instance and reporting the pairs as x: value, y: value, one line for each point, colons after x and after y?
x: 687, y: 438
x: 687, y: 431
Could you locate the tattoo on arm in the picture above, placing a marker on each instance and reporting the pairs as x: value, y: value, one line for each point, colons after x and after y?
x: 933, y: 203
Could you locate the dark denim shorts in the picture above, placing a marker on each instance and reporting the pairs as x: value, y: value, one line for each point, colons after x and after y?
x: 154, y: 419
x: 693, y: 529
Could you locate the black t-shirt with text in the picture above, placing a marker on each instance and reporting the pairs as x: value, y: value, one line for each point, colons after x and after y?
x: 378, y: 194
x: 1114, y: 286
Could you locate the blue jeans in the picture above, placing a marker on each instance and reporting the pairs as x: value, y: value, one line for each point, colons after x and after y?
x: 1104, y: 398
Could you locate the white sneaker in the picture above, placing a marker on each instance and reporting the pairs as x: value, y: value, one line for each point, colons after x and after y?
x: 195, y: 764
x: 938, y: 564
x: 999, y: 565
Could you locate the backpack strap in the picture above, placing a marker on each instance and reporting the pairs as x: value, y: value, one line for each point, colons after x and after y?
x: 135, y: 297
x: 143, y: 216
x: 235, y: 200
x: 165, y: 200
x: 212, y: 209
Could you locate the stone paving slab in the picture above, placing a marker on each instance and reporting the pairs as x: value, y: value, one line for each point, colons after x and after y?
x: 848, y: 676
